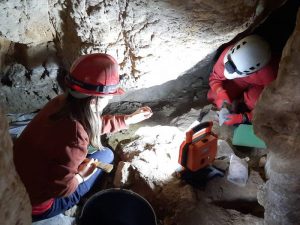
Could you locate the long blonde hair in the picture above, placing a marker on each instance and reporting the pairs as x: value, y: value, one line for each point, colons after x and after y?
x: 79, y: 109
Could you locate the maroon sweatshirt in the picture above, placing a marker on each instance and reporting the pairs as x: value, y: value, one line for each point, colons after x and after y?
x: 48, y: 153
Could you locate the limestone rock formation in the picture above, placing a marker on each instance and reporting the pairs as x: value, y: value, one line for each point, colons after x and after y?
x: 26, y: 22
x: 14, y: 201
x: 277, y: 121
x: 18, y: 85
x: 150, y: 37
x: 153, y: 41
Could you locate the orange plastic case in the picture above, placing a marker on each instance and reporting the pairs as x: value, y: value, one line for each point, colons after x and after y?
x: 200, y: 147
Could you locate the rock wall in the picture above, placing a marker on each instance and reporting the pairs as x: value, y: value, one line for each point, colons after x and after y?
x: 153, y: 41
x: 26, y: 22
x: 14, y: 201
x: 277, y: 121
x: 150, y: 37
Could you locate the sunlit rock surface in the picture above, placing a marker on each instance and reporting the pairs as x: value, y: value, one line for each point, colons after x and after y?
x: 153, y: 41
x: 26, y: 22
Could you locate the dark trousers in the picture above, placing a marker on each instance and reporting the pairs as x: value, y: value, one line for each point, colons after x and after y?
x: 60, y: 205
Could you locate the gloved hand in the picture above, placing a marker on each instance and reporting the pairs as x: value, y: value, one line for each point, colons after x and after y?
x: 221, y: 98
x: 232, y: 119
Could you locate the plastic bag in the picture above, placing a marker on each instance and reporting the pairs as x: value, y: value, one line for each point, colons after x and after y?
x: 238, y: 171
x: 222, y: 115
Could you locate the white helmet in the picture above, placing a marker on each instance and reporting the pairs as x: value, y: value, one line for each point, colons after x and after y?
x: 247, y: 56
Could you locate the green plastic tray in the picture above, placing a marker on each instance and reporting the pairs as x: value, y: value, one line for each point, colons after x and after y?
x: 244, y: 136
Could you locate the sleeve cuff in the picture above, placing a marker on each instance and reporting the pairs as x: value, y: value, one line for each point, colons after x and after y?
x: 79, y: 178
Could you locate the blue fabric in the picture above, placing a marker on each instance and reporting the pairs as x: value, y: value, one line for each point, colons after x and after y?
x: 60, y: 205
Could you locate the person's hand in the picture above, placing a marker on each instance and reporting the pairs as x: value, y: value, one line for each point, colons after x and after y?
x: 139, y: 115
x: 222, y: 98
x: 232, y: 119
x: 87, y: 168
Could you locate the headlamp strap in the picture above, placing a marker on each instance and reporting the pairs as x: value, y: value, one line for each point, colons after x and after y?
x: 91, y: 87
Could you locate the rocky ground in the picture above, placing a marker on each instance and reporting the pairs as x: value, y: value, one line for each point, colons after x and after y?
x: 146, y: 158
x: 146, y: 162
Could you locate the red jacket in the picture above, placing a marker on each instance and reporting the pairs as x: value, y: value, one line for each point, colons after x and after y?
x: 48, y: 153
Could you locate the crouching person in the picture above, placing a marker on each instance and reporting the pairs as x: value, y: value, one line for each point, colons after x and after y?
x: 240, y: 75
x: 52, y: 154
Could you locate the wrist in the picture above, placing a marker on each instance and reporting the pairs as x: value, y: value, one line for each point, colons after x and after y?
x: 79, y: 178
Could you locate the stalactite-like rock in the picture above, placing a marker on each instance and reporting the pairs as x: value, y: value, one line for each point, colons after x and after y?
x: 14, y: 201
x: 277, y: 121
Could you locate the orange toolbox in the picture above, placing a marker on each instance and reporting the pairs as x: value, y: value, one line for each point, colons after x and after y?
x: 200, y: 147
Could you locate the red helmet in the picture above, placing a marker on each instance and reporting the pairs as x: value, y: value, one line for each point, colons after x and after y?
x: 95, y: 74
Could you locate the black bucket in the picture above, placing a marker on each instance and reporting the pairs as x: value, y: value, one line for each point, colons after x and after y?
x: 117, y: 207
